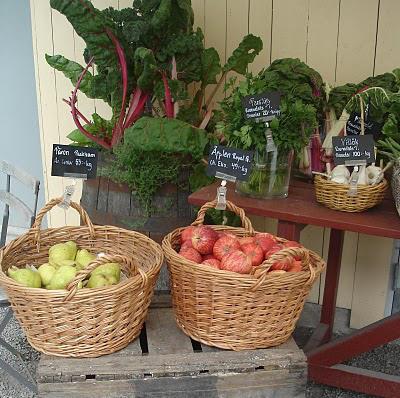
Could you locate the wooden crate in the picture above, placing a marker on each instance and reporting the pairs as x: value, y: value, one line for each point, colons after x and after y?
x: 164, y: 362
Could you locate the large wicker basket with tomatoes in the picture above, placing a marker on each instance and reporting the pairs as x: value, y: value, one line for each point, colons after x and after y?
x: 235, y: 288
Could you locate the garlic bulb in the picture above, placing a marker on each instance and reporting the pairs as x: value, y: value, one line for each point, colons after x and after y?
x: 340, y: 171
x: 362, y: 176
x: 340, y: 179
x: 374, y: 175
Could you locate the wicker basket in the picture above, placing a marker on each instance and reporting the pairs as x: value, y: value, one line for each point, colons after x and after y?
x: 234, y: 311
x: 84, y: 322
x: 335, y: 196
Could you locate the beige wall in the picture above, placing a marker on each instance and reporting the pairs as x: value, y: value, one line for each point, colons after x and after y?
x: 346, y: 40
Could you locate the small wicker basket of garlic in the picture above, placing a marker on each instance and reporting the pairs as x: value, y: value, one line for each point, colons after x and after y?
x: 349, y: 190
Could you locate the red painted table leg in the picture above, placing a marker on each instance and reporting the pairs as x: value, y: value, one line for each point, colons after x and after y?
x: 323, y: 332
x: 324, y: 362
x: 289, y: 230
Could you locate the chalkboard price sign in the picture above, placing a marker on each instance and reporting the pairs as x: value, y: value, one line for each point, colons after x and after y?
x: 263, y: 106
x: 353, y: 126
x: 73, y: 161
x: 229, y: 162
x: 354, y: 149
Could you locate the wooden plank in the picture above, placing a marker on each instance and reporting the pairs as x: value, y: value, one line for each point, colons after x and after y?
x: 119, y: 199
x: 373, y: 274
x: 313, y: 238
x: 102, y: 197
x: 199, y: 14
x: 387, y: 55
x: 288, y: 345
x: 237, y: 27
x: 16, y: 203
x: 47, y: 102
x: 19, y: 174
x: 260, y: 24
x: 289, y: 29
x: 356, y: 41
x: 215, y: 34
x: 171, y: 364
x: 63, y: 39
x: 347, y: 270
x: 164, y: 336
x: 322, y: 37
x: 276, y: 384
x: 357, y: 379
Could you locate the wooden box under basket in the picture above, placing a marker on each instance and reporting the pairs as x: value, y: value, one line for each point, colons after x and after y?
x: 164, y: 362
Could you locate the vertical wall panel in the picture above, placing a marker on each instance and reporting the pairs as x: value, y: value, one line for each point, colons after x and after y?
x: 215, y: 33
x: 356, y: 42
x: 199, y: 13
x: 237, y: 27
x: 289, y: 29
x: 47, y: 100
x: 260, y: 24
x: 388, y: 43
x: 322, y: 37
x: 372, y: 280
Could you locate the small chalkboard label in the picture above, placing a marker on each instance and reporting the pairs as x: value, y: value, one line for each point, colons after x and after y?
x: 353, y: 126
x: 354, y: 149
x: 74, y: 161
x: 228, y: 161
x: 263, y: 106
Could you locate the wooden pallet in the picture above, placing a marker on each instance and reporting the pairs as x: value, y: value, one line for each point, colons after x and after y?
x: 164, y: 362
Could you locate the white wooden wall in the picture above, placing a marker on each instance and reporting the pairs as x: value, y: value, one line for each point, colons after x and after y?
x: 345, y: 40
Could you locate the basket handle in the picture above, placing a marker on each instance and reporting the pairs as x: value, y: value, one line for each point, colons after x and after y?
x: 230, y: 206
x: 54, y: 202
x: 113, y: 258
x: 282, y: 255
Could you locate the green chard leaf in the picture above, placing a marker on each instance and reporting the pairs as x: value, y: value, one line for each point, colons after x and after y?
x: 244, y: 55
x: 211, y: 66
x: 90, y: 24
x: 167, y: 135
x: 72, y: 70
x: 145, y: 68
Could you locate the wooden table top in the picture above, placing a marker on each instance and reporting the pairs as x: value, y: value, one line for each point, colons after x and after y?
x: 301, y: 207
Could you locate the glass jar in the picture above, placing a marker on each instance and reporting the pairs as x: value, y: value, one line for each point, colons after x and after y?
x: 269, y: 177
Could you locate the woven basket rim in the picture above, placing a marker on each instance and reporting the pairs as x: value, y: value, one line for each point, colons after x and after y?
x: 80, y: 293
x: 224, y: 275
x: 345, y: 187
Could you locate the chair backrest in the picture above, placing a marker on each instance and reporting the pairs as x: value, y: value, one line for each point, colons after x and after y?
x: 12, y: 201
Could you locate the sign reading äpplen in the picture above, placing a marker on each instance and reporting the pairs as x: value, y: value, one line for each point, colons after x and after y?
x: 230, y: 162
x: 73, y: 161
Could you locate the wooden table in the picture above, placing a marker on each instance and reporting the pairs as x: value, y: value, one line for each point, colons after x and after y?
x: 325, y: 356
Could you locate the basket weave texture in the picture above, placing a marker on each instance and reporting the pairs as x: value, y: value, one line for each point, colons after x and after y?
x: 235, y: 311
x: 83, y: 322
x: 335, y: 196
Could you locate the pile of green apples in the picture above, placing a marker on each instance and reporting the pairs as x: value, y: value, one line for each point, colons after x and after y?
x: 65, y: 261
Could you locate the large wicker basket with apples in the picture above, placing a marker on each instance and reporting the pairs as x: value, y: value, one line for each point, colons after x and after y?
x: 71, y: 303
x: 234, y: 288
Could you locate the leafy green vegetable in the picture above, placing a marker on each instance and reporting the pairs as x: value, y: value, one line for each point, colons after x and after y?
x: 244, y: 55
x: 295, y: 125
x: 341, y: 95
x: 166, y: 135
x: 145, y: 68
x: 89, y: 23
x: 210, y: 66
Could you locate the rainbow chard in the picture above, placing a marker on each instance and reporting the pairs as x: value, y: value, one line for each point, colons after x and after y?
x: 169, y: 105
x: 118, y: 130
x: 77, y: 115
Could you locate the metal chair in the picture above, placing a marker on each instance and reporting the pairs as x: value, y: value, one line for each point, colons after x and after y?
x: 14, y: 203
